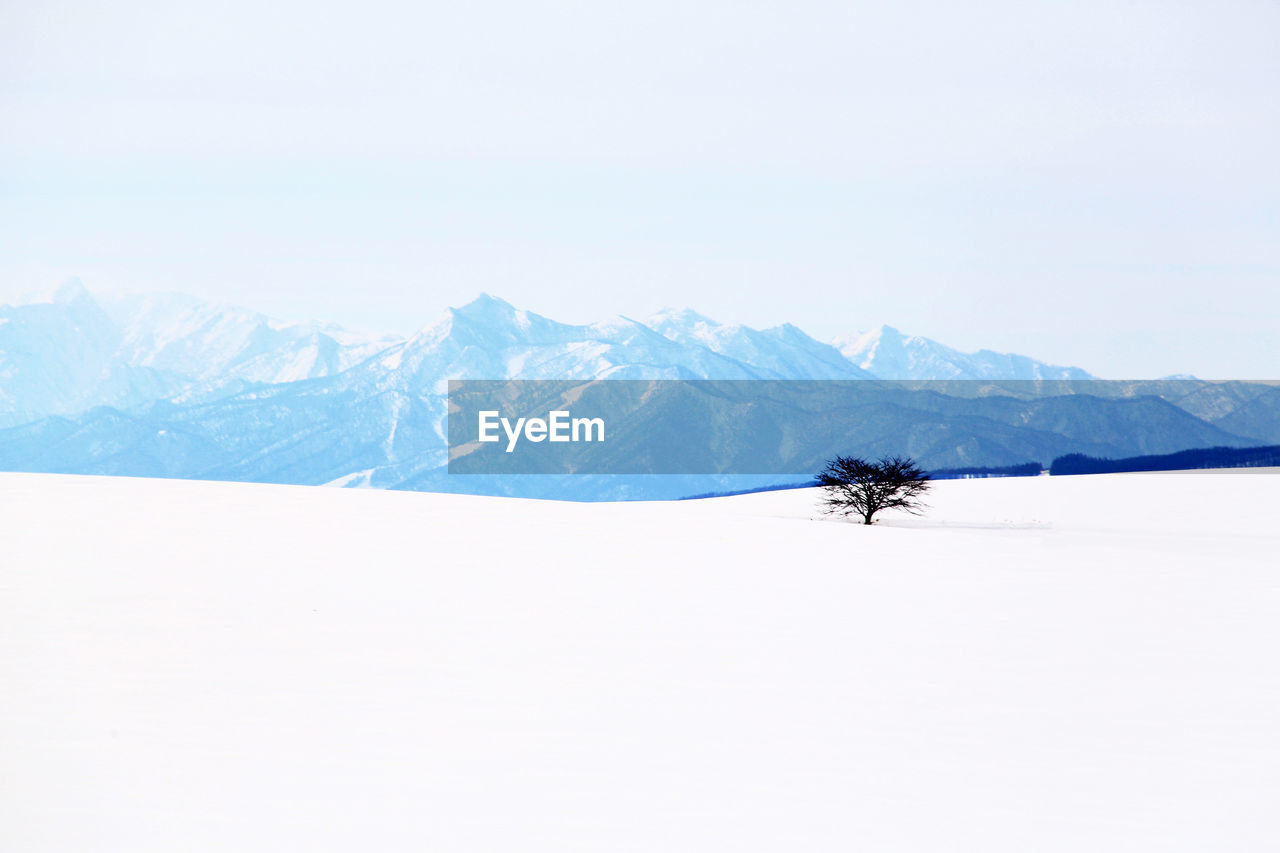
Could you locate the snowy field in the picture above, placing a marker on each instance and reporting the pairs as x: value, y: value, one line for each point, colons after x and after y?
x: 1045, y: 664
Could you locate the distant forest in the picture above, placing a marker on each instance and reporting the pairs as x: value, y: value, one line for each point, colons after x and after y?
x: 1026, y: 469
x: 1185, y: 460
x: 1078, y: 463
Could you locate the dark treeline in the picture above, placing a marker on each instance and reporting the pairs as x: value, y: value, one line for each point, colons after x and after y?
x: 1185, y: 460
x: 776, y: 487
x: 1078, y: 463
x: 1026, y: 469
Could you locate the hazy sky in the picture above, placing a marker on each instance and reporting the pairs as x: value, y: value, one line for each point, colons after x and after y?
x: 1094, y: 183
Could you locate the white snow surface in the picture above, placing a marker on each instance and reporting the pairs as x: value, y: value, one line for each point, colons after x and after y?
x: 1041, y: 664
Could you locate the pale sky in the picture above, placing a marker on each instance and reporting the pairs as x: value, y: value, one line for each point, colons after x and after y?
x: 1091, y: 183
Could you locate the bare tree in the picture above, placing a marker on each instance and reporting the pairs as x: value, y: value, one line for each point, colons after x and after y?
x: 855, y: 486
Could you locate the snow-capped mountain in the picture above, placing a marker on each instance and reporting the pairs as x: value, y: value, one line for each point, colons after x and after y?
x: 780, y: 352
x: 215, y: 346
x: 889, y: 354
x: 490, y: 339
x: 58, y: 357
x: 63, y: 351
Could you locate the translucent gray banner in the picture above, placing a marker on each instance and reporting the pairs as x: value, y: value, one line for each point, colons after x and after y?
x: 791, y: 427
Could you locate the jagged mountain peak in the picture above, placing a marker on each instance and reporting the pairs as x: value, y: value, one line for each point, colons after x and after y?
x: 621, y: 325
x: 681, y: 316
x: 486, y: 307
x: 64, y: 293
x: 791, y: 332
x: 494, y: 313
x: 888, y: 353
x: 867, y: 338
x: 778, y: 352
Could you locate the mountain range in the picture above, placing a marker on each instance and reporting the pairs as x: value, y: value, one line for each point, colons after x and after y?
x: 65, y: 351
x: 169, y: 385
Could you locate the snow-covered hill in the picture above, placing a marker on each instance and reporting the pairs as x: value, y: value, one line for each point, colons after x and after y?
x: 1049, y: 664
